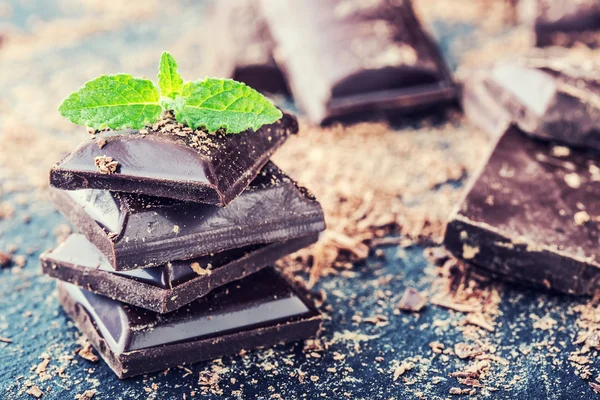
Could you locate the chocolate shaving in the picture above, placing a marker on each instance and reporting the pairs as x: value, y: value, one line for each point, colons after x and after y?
x: 106, y: 165
x: 87, y: 353
x: 199, y: 270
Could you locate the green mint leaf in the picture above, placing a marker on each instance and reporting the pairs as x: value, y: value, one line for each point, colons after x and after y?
x: 169, y: 80
x: 224, y: 103
x: 113, y: 101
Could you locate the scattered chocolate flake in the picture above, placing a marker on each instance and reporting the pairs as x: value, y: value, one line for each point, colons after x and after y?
x: 402, y: 368
x: 199, y: 270
x: 412, y: 300
x: 459, y: 391
x: 465, y: 350
x: 5, y: 259
x: 106, y: 165
x: 436, y: 347
x: 87, y: 352
x: 35, y: 392
x: 19, y: 260
x: 479, y: 320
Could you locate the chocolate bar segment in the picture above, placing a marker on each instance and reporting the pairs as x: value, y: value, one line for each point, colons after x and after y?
x: 261, y: 310
x: 246, y: 46
x: 135, y: 231
x: 554, y: 96
x: 566, y: 22
x: 207, y: 168
x: 533, y: 215
x: 165, y: 288
x: 345, y: 57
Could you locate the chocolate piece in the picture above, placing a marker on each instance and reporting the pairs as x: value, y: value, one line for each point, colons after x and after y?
x: 207, y: 168
x: 344, y: 57
x: 249, y: 44
x: 532, y: 215
x: 260, y: 310
x: 565, y: 22
x: 549, y: 95
x: 412, y: 300
x: 135, y: 231
x: 168, y: 287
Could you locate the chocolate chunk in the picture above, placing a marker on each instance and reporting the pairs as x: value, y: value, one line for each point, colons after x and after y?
x: 565, y: 23
x: 165, y: 288
x: 249, y: 46
x: 135, y: 231
x: 345, y: 57
x: 532, y: 215
x: 207, y: 168
x: 412, y: 300
x: 261, y: 310
x: 554, y: 96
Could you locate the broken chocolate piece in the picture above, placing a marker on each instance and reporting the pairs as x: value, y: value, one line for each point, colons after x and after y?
x: 412, y: 300
x: 554, y: 98
x: 564, y: 22
x: 343, y: 57
x: 261, y: 310
x: 532, y: 215
x: 135, y: 231
x: 249, y: 45
x: 165, y: 288
x: 188, y: 166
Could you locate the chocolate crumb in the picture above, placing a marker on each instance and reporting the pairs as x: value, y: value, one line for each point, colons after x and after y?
x: 101, y: 143
x: 87, y: 395
x: 199, y: 270
x: 106, y: 165
x: 86, y: 352
x: 5, y: 259
x: 412, y: 300
x: 460, y: 391
x: 35, y: 392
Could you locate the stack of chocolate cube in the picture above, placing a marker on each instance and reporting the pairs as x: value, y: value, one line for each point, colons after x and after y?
x: 177, y: 234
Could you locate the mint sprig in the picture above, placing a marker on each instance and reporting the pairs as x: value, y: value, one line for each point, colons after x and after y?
x: 122, y: 101
x: 114, y: 101
x: 224, y: 103
x: 169, y: 80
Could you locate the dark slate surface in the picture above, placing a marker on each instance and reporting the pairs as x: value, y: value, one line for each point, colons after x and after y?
x: 31, y: 317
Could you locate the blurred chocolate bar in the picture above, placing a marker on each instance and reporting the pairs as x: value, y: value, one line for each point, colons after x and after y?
x: 554, y: 96
x: 344, y: 57
x: 532, y: 215
x: 563, y: 22
x: 249, y: 46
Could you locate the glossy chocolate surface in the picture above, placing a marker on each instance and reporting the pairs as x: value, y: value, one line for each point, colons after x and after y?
x: 262, y: 299
x: 567, y: 22
x: 135, y: 231
x: 207, y: 168
x: 553, y: 95
x: 165, y: 288
x: 532, y: 215
x: 356, y: 56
